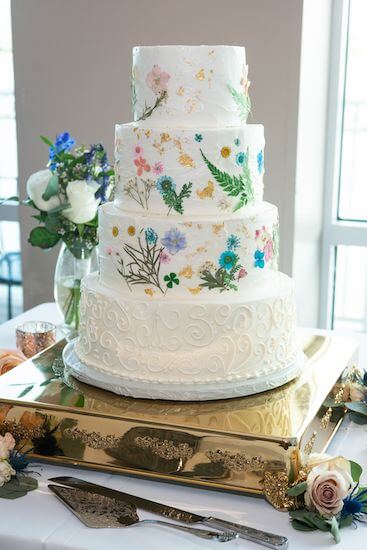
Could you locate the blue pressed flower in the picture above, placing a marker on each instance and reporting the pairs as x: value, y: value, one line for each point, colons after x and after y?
x: 237, y: 142
x: 233, y: 242
x: 260, y: 161
x: 151, y: 235
x: 18, y: 460
x: 240, y: 158
x: 165, y: 184
x: 174, y: 241
x: 259, y: 259
x: 198, y: 138
x: 227, y: 259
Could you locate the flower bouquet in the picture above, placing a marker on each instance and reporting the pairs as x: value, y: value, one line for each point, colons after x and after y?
x: 14, y: 483
x: 67, y: 194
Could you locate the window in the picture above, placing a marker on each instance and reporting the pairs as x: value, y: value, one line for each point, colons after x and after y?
x: 344, y: 261
x: 10, y: 262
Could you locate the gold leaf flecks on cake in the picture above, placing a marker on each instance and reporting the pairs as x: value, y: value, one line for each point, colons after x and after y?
x: 200, y: 75
x: 115, y: 231
x: 157, y: 145
x: 185, y: 160
x: 165, y: 137
x: 188, y: 224
x: 199, y: 225
x: 186, y: 272
x: 180, y: 91
x: 217, y: 227
x: 198, y: 252
x: 195, y: 290
x: 147, y: 133
x: 191, y: 105
x: 206, y: 192
x: 149, y: 291
x: 188, y: 61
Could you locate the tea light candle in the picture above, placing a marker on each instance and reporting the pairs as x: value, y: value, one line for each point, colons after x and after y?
x: 35, y: 336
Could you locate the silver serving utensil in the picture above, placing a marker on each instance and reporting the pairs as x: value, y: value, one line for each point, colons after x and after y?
x: 100, y: 511
x: 270, y: 540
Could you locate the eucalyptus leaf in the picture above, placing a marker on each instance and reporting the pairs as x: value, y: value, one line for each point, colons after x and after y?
x: 52, y: 188
x: 40, y: 236
x: 297, y: 489
x: 355, y: 470
x: 358, y: 407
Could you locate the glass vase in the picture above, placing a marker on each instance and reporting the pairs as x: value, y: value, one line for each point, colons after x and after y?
x: 71, y: 267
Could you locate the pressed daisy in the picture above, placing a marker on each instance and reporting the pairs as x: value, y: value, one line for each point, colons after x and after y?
x: 115, y: 231
x: 131, y: 230
x: 227, y: 259
x: 225, y: 152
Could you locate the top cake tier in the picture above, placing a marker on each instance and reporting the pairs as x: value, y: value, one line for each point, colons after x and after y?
x: 190, y: 85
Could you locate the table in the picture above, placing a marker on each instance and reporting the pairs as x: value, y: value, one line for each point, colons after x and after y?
x: 40, y: 522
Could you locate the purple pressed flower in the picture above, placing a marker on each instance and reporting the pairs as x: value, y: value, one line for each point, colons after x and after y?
x: 174, y: 241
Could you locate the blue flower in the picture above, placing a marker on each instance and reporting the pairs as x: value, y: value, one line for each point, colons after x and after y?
x: 227, y: 259
x: 64, y: 142
x: 259, y: 259
x: 237, y: 142
x: 198, y: 138
x: 19, y: 461
x: 151, y: 235
x: 240, y: 158
x: 355, y: 504
x: 233, y: 242
x: 165, y: 184
x: 260, y: 161
x: 174, y: 241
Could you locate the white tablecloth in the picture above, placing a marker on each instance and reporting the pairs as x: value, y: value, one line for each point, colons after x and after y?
x: 40, y: 522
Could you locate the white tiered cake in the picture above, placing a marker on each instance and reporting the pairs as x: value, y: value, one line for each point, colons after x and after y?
x: 188, y: 303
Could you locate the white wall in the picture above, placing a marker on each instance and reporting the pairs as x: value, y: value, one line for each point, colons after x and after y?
x: 72, y: 69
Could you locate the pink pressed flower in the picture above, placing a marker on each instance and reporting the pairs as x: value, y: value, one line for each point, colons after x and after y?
x: 157, y: 80
x: 141, y: 165
x: 138, y: 150
x: 268, y: 250
x: 158, y: 168
x: 164, y: 258
x: 109, y: 250
x: 242, y: 273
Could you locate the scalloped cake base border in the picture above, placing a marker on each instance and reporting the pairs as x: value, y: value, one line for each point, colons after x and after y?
x: 188, y: 392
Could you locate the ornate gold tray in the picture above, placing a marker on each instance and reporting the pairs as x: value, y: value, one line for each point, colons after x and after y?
x: 229, y: 444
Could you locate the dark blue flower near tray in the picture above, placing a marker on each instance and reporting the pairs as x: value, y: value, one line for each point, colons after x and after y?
x: 355, y: 504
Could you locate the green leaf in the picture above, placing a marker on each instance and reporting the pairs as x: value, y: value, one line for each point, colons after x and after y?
x: 334, y: 529
x: 297, y: 489
x: 357, y: 407
x: 346, y: 521
x: 9, y: 199
x: 300, y: 526
x: 355, y: 470
x: 41, y: 237
x: 52, y: 188
x: 311, y: 519
x: 243, y: 103
x: 18, y: 487
x: 359, y: 419
x: 47, y: 141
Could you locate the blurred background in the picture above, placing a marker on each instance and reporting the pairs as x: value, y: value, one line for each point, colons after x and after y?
x: 65, y: 66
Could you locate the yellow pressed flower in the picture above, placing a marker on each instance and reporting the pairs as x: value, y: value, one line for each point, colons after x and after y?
x: 131, y: 230
x: 225, y: 152
x: 115, y: 231
x: 149, y: 291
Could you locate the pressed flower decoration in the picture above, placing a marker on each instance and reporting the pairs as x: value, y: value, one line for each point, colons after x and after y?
x: 174, y: 241
x: 229, y: 270
x: 260, y: 161
x: 171, y: 279
x: 259, y: 259
x: 225, y: 152
x: 198, y: 137
x: 157, y: 80
x: 240, y: 158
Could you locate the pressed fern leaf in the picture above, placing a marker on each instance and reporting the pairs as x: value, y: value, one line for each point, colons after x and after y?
x: 243, y: 103
x: 235, y: 186
x: 175, y: 201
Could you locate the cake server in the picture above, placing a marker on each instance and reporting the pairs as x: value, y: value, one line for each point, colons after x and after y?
x: 270, y: 540
x: 101, y: 511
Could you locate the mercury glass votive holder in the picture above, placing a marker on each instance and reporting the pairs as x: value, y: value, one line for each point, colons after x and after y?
x: 35, y: 336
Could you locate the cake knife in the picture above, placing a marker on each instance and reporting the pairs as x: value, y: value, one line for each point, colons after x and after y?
x: 270, y: 540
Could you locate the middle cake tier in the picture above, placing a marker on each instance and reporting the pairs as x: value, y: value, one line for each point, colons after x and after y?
x: 189, y: 171
x: 155, y: 257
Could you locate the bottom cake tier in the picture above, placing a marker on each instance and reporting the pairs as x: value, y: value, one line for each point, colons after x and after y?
x: 184, y: 350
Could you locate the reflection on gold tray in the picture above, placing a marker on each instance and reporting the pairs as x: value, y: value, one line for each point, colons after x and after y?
x: 227, y: 444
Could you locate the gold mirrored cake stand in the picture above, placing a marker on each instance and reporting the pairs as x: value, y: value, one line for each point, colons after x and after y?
x: 231, y: 444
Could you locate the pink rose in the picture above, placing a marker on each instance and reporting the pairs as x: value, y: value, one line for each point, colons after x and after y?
x: 328, y: 484
x: 7, y: 444
x: 157, y: 80
x: 158, y: 168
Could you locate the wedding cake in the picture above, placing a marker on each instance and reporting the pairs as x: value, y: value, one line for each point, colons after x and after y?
x: 188, y: 303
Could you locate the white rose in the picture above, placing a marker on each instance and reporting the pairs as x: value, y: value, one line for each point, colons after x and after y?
x: 6, y: 471
x: 328, y: 484
x: 36, y: 186
x: 83, y: 204
x: 7, y: 444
